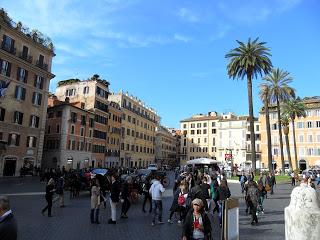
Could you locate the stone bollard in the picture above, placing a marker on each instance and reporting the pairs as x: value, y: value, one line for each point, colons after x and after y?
x: 302, y: 216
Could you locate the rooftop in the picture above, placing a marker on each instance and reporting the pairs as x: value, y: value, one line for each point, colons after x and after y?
x: 34, y: 35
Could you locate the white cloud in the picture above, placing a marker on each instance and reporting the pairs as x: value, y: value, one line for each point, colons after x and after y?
x: 181, y: 38
x: 187, y: 15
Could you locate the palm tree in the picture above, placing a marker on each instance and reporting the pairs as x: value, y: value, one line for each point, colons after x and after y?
x: 294, y: 108
x: 280, y: 91
x: 285, y: 124
x: 265, y: 97
x: 249, y: 60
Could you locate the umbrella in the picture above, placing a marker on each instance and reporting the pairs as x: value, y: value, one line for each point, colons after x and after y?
x: 100, y: 171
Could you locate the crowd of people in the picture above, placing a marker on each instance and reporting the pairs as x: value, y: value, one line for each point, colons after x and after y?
x: 197, y: 196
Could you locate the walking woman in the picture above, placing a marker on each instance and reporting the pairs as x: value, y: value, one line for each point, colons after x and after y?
x: 49, y: 195
x: 197, y: 224
x: 223, y: 193
x: 125, y: 197
x: 95, y: 201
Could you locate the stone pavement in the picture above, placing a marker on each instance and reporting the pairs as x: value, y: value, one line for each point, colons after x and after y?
x: 72, y: 222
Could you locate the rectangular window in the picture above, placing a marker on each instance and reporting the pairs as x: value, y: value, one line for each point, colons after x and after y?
x: 83, y: 120
x: 18, y: 117
x: 22, y: 75
x: 81, y: 131
x: 38, y: 83
x: 184, y: 125
x: 5, y: 68
x: 204, y: 131
x: 8, y: 44
x: 86, y: 90
x: 20, y: 93
x: 213, y: 124
x: 310, y: 138
x: 91, y: 122
x: 214, y: 141
x: 13, y: 139
x: 204, y: 125
x: 73, y: 117
x: 274, y: 126
x: 300, y: 124
x: 309, y: 124
x: 205, y: 140
x: 2, y: 113
x: 31, y: 142
x: 301, y: 138
x: 317, y: 124
x: 72, y: 129
x: 214, y: 131
x: 192, y: 125
x: 36, y: 98
x: 34, y: 121
x: 257, y: 127
x: 198, y: 125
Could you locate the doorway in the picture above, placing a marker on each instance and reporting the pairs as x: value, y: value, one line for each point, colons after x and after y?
x: 9, y: 166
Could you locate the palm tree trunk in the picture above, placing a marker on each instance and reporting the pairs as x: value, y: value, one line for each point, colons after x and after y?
x: 251, y: 119
x: 266, y: 107
x: 280, y: 136
x: 288, y: 150
x: 294, y: 144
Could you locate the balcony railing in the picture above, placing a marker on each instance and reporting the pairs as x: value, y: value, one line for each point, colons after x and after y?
x: 8, y: 48
x: 25, y: 57
x: 42, y: 65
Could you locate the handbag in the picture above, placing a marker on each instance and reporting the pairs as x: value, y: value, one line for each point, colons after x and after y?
x: 267, y: 187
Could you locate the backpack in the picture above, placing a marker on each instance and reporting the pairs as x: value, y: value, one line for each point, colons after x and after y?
x: 181, y: 199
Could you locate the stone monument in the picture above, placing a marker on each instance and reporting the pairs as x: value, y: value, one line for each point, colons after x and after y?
x: 302, y: 216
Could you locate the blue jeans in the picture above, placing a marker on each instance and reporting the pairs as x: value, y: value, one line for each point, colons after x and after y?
x: 157, y: 210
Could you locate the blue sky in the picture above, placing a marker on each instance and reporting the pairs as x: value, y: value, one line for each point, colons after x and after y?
x: 169, y: 53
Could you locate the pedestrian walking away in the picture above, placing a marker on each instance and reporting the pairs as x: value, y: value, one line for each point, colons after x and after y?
x: 8, y: 223
x: 252, y: 196
x: 156, y: 191
x: 49, y: 195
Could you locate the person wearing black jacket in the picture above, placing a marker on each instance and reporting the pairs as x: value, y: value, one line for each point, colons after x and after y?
x: 8, y: 223
x: 146, y: 194
x: 49, y: 195
x: 114, y: 199
x: 223, y: 193
x: 197, y: 224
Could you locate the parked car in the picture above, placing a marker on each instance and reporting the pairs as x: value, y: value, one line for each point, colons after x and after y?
x: 153, y: 167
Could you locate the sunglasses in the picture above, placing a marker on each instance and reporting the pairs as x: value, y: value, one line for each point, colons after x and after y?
x: 196, y: 205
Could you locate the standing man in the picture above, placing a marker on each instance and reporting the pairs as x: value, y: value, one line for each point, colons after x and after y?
x: 252, y: 196
x: 114, y: 199
x: 8, y: 223
x: 156, y: 191
x: 272, y: 182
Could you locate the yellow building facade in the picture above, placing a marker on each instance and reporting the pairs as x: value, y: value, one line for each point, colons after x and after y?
x: 307, y: 137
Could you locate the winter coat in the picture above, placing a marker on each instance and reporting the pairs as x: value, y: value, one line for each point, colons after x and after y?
x: 95, y: 197
x: 188, y: 225
x: 115, y: 192
x: 8, y: 228
x: 156, y: 190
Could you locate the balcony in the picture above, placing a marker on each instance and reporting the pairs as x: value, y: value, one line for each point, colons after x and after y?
x: 25, y: 57
x: 42, y: 65
x: 8, y: 48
